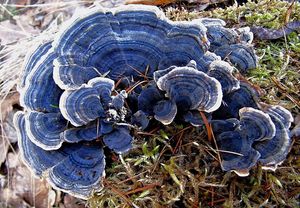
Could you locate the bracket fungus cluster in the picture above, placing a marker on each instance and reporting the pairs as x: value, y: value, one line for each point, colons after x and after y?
x: 111, y: 70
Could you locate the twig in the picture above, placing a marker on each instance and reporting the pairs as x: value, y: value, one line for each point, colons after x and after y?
x: 117, y: 191
x: 147, y: 187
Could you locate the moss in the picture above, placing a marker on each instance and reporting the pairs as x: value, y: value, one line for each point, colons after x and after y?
x: 278, y: 71
x: 267, y: 13
x: 182, y: 14
x: 181, y: 169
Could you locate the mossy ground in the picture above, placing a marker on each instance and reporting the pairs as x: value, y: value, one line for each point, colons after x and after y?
x: 179, y: 167
x: 267, y: 13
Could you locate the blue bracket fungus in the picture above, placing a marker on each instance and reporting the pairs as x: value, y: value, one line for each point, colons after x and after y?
x: 119, y: 140
x: 32, y: 58
x: 256, y: 125
x: 220, y: 126
x: 148, y: 98
x: 127, y: 38
x: 278, y: 111
x: 165, y: 111
x: 44, y: 129
x: 74, y: 168
x: 240, y: 55
x: 85, y: 91
x: 83, y: 133
x: 222, y: 71
x: 219, y: 36
x: 38, y: 92
x: 85, y: 104
x: 231, y: 44
x: 181, y: 84
x: 273, y: 151
x: 194, y: 117
x: 140, y: 119
x: 81, y: 106
x: 257, y: 137
x: 237, y: 152
x: 232, y: 102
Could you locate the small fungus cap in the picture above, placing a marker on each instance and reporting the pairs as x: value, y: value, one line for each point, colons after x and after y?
x: 37, y: 159
x: 237, y: 153
x: 194, y: 117
x: 275, y: 150
x: 81, y: 106
x: 165, y: 111
x: 148, y: 98
x: 38, y: 92
x: 119, y: 140
x: 104, y: 87
x: 191, y: 89
x: 75, y: 169
x: 220, y: 126
x: 232, y: 102
x: 222, y: 71
x: 80, y: 172
x: 280, y: 112
x: 86, y: 103
x: 31, y: 60
x: 242, y: 55
x: 44, y: 129
x: 89, y: 132
x: 205, y: 61
x: 256, y: 125
x: 140, y: 119
x: 219, y: 36
x: 119, y: 100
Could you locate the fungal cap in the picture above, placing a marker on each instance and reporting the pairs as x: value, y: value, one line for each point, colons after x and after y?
x: 43, y: 129
x: 275, y: 150
x: 119, y: 140
x: 256, y: 124
x: 148, y: 98
x: 242, y: 55
x: 140, y: 119
x: 194, y: 117
x: 191, y: 89
x: 278, y: 111
x: 33, y: 56
x: 236, y: 152
x: 222, y: 71
x: 165, y: 111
